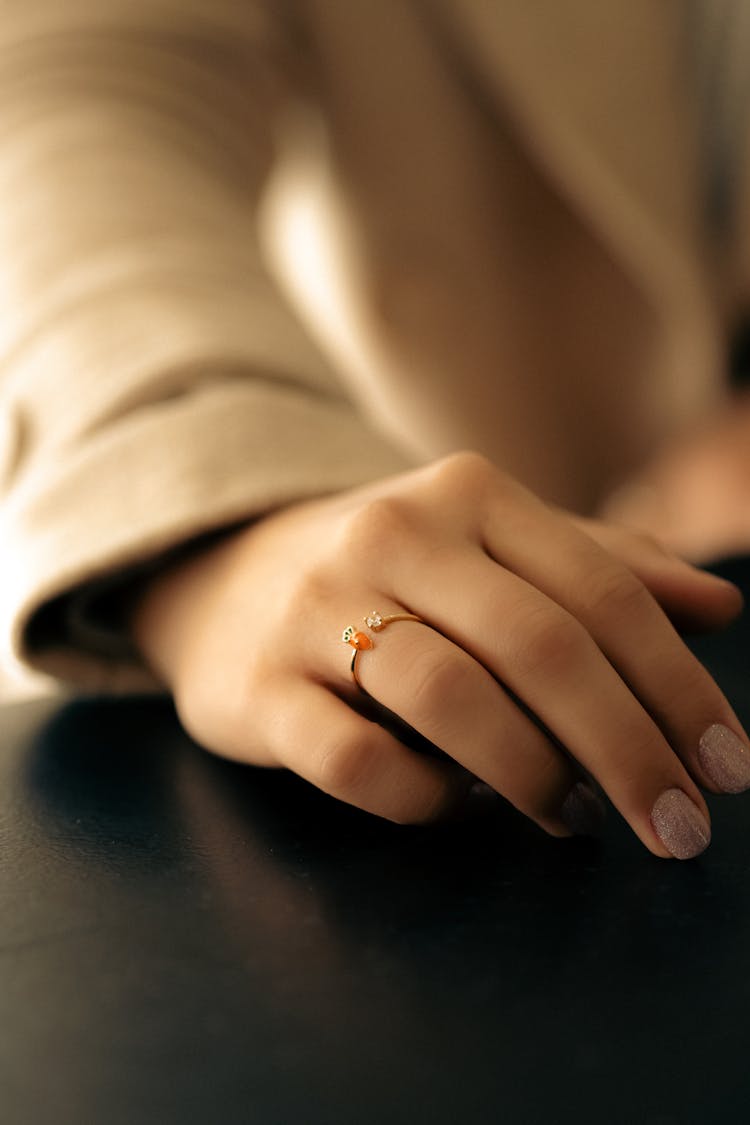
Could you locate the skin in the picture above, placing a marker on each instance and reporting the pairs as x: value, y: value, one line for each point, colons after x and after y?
x: 576, y: 617
x: 694, y: 494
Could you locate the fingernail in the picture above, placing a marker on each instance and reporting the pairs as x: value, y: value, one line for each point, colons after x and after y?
x: 725, y: 758
x: 582, y: 811
x: 680, y: 825
x: 715, y: 579
x: 726, y: 584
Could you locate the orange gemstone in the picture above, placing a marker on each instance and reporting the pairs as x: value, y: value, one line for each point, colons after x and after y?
x: 360, y: 641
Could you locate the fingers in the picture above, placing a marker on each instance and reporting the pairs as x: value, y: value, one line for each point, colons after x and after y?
x: 694, y: 599
x: 319, y: 737
x: 577, y: 637
x: 551, y: 662
x: 527, y: 618
x: 442, y: 692
x: 633, y: 633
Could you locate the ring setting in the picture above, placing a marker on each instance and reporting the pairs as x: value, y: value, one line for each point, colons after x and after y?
x: 355, y: 638
x: 360, y: 641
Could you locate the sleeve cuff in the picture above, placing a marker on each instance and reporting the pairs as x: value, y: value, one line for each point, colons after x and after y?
x: 144, y: 487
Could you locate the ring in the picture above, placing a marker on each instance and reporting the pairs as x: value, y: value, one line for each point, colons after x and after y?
x: 360, y: 641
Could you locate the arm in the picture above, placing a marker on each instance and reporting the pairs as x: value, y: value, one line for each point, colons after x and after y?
x: 153, y: 383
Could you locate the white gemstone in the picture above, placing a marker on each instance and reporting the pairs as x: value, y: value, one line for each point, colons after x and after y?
x: 374, y: 620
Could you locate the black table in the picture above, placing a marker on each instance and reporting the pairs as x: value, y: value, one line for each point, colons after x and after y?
x: 188, y: 940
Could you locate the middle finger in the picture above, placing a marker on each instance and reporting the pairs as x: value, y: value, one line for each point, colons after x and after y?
x: 635, y: 635
x: 552, y: 663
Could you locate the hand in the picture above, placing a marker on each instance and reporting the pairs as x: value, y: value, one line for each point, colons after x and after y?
x: 513, y: 594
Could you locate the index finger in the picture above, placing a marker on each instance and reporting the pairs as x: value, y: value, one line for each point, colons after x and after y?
x: 635, y: 635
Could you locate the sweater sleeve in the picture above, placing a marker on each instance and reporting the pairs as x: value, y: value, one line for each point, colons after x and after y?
x: 154, y: 385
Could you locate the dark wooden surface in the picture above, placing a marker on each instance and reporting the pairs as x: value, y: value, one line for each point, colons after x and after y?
x: 184, y: 940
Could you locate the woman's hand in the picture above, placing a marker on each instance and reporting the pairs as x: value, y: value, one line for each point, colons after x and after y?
x: 520, y: 604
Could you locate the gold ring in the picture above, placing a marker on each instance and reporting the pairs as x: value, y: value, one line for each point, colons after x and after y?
x: 360, y: 641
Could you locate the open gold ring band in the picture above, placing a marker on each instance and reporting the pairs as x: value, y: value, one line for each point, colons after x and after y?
x: 360, y: 641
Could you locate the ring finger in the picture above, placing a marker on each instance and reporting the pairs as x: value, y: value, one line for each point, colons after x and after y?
x: 441, y: 692
x: 551, y: 662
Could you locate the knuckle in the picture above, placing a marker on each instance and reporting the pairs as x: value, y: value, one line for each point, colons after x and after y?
x: 375, y: 523
x: 617, y: 594
x: 550, y: 643
x: 439, y: 679
x: 691, y: 688
x: 433, y: 803
x: 466, y: 472
x: 314, y: 587
x: 345, y: 765
x: 650, y: 543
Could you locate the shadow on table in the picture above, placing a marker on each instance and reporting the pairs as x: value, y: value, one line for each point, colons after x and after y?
x: 452, y: 958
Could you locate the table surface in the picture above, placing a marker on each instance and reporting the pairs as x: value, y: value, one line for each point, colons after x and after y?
x: 188, y: 940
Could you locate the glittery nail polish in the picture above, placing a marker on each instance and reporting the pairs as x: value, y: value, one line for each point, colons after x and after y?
x: 582, y: 811
x: 680, y: 825
x: 725, y: 758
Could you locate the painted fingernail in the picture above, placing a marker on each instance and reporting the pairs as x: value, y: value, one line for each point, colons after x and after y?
x: 680, y: 825
x: 582, y: 811
x: 725, y: 758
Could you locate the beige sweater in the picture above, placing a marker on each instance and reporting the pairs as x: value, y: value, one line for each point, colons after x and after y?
x: 251, y: 252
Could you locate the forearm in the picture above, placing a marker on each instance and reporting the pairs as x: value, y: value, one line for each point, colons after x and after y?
x: 156, y: 384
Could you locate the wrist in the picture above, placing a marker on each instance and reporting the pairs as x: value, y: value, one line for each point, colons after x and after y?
x: 161, y: 607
